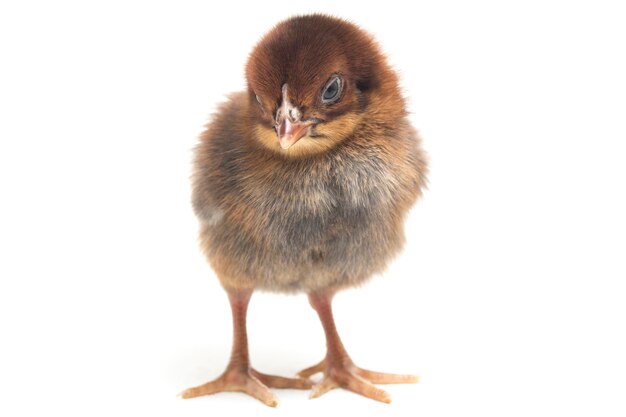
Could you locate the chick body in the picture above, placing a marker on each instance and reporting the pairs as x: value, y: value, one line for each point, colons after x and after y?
x: 276, y: 223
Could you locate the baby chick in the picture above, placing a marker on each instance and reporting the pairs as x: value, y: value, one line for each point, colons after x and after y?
x: 301, y: 184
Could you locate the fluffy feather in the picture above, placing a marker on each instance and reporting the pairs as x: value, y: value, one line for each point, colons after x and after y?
x: 327, y: 213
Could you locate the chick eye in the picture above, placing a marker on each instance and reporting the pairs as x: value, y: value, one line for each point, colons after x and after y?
x: 332, y: 91
x: 258, y: 100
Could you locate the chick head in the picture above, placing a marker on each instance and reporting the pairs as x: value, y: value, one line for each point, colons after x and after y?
x: 312, y: 80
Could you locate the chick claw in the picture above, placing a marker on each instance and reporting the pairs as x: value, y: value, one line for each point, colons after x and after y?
x: 350, y: 377
x: 250, y: 382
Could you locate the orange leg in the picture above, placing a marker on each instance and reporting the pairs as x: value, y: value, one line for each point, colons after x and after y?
x: 239, y: 376
x: 338, y: 368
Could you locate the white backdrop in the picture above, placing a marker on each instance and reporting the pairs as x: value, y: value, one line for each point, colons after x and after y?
x: 508, y: 299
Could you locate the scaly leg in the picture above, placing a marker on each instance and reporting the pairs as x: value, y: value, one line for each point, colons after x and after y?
x: 338, y: 368
x: 239, y: 376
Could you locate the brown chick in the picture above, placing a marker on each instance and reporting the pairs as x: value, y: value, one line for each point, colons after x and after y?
x: 302, y: 184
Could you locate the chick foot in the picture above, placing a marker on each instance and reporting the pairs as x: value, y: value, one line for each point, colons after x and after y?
x: 239, y: 376
x: 248, y: 381
x: 338, y: 368
x: 346, y: 375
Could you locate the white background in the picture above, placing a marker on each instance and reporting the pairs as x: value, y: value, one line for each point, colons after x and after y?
x: 509, y: 297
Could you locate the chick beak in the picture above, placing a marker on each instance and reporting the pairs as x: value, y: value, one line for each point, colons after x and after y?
x: 289, y: 127
x: 290, y: 132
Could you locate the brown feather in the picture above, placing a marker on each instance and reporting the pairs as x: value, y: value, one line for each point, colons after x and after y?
x: 327, y: 213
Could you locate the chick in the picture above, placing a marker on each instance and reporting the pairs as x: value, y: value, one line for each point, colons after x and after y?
x: 301, y: 184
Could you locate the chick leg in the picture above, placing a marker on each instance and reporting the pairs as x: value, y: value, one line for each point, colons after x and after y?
x: 338, y: 368
x: 239, y: 376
